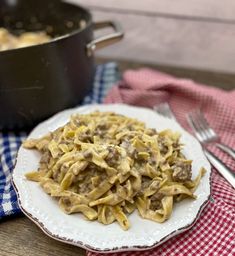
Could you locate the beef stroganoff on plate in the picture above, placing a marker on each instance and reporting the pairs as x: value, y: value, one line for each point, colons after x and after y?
x: 105, y: 165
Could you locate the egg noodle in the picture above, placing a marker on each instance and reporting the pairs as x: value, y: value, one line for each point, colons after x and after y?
x: 10, y: 41
x: 105, y: 165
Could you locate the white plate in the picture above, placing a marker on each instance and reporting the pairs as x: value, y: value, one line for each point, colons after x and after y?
x: 74, y: 229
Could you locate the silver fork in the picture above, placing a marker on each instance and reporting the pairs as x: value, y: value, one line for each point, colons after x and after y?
x: 204, y: 133
x: 165, y: 110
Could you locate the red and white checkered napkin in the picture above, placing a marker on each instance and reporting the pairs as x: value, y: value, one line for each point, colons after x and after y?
x: 214, y: 232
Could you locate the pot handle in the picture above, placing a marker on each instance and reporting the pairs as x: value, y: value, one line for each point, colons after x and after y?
x: 107, y: 39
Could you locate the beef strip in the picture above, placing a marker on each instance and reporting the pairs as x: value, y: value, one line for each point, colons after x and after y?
x: 182, y: 171
x: 162, y: 145
x: 112, y: 157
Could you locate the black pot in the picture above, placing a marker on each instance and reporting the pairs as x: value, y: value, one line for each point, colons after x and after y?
x: 38, y: 81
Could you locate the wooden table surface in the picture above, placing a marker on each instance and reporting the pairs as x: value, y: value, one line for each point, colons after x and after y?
x: 19, y: 236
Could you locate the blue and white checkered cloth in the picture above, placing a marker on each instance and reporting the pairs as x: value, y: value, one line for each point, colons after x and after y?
x: 106, y: 75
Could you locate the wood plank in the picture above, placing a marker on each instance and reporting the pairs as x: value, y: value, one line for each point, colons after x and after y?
x: 214, y: 10
x: 216, y: 79
x: 20, y: 237
x: 173, y: 42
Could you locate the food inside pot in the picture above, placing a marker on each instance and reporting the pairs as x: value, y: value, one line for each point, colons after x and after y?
x: 9, y: 41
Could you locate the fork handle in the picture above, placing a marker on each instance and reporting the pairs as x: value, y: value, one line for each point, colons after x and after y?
x: 226, y: 149
x: 225, y: 171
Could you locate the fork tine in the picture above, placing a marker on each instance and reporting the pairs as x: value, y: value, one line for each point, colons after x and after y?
x: 204, y: 133
x: 200, y: 126
x: 165, y: 110
x: 197, y: 125
x: 194, y: 126
x: 206, y: 126
x: 207, y: 133
x: 203, y: 125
